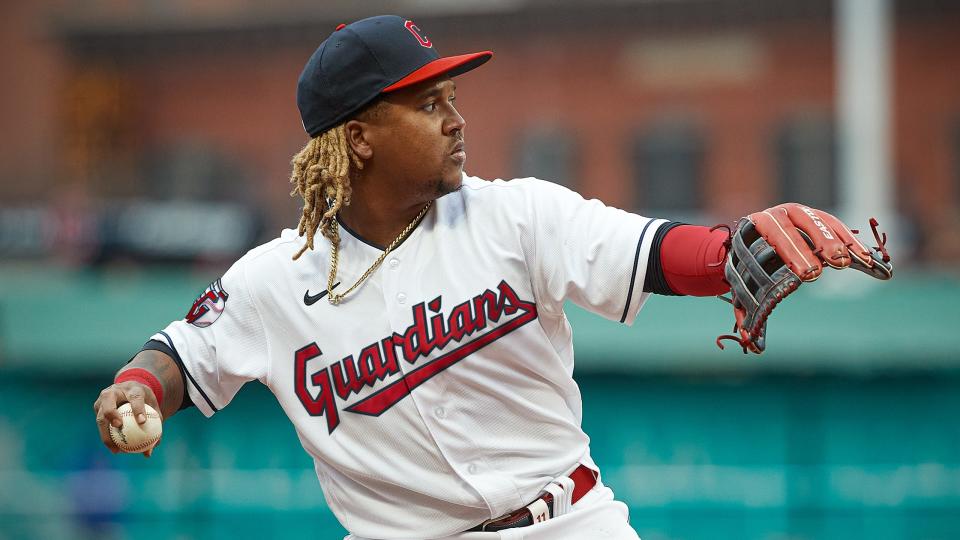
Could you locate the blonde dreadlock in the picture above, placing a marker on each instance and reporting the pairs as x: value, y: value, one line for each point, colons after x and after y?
x: 321, y: 176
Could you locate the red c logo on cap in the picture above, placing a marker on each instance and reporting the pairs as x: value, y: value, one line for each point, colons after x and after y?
x: 424, y: 41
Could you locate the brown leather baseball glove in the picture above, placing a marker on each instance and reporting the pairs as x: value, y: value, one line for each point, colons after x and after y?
x: 771, y: 253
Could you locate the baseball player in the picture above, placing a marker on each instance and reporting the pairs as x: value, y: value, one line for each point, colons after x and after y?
x: 419, y: 344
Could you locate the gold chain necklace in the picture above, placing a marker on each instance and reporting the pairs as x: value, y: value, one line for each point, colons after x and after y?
x: 335, y: 299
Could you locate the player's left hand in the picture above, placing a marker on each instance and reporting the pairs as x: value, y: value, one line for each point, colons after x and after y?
x: 806, y: 239
x: 773, y: 251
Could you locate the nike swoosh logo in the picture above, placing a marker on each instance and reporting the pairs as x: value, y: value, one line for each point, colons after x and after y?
x: 310, y: 300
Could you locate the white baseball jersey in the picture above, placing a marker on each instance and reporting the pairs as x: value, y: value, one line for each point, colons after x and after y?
x: 439, y: 394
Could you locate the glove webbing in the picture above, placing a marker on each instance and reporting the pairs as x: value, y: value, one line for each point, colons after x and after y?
x: 759, y: 280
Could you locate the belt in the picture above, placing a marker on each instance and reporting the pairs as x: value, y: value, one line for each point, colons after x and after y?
x: 583, y: 478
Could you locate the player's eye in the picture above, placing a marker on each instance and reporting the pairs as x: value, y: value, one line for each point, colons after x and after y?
x: 430, y: 107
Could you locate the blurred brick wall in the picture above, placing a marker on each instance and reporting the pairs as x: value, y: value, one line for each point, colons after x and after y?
x: 31, y: 60
x: 598, y: 73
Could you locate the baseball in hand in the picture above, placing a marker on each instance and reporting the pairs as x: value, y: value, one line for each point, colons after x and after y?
x: 133, y: 437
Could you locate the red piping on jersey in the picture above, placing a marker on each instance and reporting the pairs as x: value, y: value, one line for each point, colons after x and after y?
x: 692, y: 258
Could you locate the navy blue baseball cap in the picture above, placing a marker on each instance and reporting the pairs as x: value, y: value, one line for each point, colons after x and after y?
x: 361, y: 60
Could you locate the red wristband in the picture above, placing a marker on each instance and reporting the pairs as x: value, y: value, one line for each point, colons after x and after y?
x: 142, y: 376
x: 692, y: 258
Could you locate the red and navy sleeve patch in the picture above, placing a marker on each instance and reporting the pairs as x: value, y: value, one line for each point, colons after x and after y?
x: 208, y: 307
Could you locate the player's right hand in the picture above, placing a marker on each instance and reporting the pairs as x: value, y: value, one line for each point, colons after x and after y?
x: 115, y: 395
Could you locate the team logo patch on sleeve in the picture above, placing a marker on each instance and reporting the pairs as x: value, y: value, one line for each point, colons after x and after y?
x: 208, y: 307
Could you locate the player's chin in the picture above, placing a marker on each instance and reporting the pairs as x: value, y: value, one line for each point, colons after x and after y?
x: 451, y: 179
x: 448, y: 185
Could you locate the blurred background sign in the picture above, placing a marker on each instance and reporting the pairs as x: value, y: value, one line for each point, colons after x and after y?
x: 147, y: 145
x: 147, y: 231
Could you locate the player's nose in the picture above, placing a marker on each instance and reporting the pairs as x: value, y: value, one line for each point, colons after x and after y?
x: 454, y: 123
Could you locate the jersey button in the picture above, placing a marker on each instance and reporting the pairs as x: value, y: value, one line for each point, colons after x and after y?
x: 394, y: 263
x: 472, y: 468
x: 440, y: 412
x: 401, y: 298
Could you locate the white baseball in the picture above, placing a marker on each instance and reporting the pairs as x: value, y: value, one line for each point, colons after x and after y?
x: 133, y: 437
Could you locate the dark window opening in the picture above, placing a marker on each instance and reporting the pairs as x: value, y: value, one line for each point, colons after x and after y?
x: 668, y: 165
x: 806, y: 154
x: 548, y: 154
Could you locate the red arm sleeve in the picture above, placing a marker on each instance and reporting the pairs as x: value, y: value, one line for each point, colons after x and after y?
x: 692, y: 258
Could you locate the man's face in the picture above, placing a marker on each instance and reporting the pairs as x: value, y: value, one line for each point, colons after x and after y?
x: 417, y: 139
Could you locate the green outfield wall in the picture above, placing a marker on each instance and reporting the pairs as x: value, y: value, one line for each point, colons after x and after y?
x: 88, y: 321
x: 755, y: 457
x: 846, y: 428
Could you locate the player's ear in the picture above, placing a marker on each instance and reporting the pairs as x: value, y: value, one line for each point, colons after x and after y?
x: 358, y: 137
